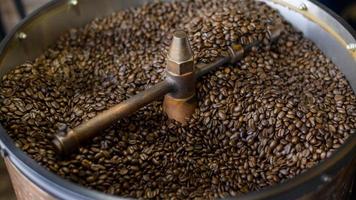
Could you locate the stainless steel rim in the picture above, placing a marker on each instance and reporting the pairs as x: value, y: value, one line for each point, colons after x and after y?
x: 64, y: 189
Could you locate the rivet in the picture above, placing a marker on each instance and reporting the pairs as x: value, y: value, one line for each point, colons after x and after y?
x: 303, y: 7
x: 22, y: 36
x: 326, y: 178
x: 3, y: 153
x: 73, y: 2
x: 351, y: 47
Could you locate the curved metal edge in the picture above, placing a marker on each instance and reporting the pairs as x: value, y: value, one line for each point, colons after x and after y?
x: 308, y: 181
x: 63, y: 189
x: 47, y: 181
x: 346, y: 25
x: 315, y: 12
x: 12, y: 34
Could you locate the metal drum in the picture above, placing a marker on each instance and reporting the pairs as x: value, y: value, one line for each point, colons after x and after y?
x: 331, y: 179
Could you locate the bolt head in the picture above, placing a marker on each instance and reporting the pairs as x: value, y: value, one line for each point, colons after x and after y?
x: 22, y: 36
x: 326, y: 178
x: 180, y: 58
x: 303, y: 7
x: 180, y: 67
x: 73, y: 2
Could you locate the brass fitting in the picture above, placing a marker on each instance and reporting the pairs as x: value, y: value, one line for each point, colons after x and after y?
x: 180, y: 58
x: 181, y: 103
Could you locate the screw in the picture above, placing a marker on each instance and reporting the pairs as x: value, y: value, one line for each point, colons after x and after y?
x: 303, y: 7
x: 326, y: 178
x: 22, y: 36
x: 73, y: 2
x: 351, y: 47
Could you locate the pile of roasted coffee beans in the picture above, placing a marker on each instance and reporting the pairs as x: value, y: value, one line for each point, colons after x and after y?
x: 278, y: 112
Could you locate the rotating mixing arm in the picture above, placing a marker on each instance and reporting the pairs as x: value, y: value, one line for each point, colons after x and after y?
x: 178, y: 90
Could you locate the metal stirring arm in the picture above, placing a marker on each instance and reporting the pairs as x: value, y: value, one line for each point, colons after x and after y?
x: 178, y: 90
x: 67, y: 142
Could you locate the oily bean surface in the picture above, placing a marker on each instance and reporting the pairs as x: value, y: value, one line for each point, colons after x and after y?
x: 279, y: 111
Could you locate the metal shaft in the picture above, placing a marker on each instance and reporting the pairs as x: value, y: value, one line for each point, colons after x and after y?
x: 69, y: 142
x: 205, y: 69
x: 74, y: 138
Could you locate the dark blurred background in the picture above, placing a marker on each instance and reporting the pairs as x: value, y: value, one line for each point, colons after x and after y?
x: 11, y: 11
x: 344, y: 8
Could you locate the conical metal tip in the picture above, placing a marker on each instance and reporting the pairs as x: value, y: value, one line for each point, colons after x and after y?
x: 180, y: 49
x: 180, y: 35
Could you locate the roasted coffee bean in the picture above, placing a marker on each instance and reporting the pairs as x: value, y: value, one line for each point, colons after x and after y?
x: 279, y: 111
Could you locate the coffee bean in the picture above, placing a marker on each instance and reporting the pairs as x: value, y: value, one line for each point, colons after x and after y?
x: 123, y: 171
x: 279, y: 111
